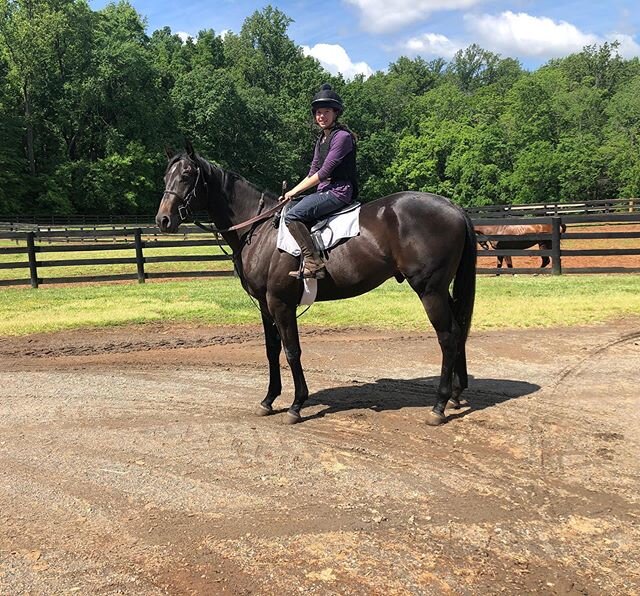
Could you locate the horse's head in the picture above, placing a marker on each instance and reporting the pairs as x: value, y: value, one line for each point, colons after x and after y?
x: 185, y: 189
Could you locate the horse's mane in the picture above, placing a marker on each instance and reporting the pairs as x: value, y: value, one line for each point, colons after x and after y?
x: 235, y: 177
x: 228, y: 178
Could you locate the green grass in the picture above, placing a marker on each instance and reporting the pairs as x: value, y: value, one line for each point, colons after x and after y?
x: 501, y: 302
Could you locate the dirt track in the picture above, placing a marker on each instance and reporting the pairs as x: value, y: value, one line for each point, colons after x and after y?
x: 132, y: 463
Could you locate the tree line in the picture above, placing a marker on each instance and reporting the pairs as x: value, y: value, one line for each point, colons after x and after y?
x: 89, y: 101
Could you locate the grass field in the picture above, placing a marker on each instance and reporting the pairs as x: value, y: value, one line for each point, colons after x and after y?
x: 501, y: 302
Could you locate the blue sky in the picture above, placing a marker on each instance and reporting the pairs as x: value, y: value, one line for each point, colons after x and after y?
x: 362, y: 36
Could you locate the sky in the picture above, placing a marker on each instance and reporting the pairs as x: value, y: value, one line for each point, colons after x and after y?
x: 365, y: 36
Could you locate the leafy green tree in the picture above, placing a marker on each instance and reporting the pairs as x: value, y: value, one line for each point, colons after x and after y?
x: 13, y: 165
x: 530, y: 115
x: 600, y: 67
x: 582, y: 168
x: 535, y: 175
x: 622, y: 132
x: 475, y: 67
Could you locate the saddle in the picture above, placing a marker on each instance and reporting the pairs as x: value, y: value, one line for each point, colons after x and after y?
x: 326, y: 233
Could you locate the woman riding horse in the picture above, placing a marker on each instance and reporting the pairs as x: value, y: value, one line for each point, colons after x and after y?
x: 333, y: 171
x: 419, y: 237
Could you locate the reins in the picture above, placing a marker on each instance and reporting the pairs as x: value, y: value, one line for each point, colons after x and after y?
x: 259, y: 217
x: 184, y: 210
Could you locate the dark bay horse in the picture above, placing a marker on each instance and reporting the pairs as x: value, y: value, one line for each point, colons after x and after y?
x: 518, y: 244
x: 416, y: 236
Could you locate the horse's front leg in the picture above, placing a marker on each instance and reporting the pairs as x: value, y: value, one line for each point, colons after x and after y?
x: 285, y: 317
x: 273, y: 344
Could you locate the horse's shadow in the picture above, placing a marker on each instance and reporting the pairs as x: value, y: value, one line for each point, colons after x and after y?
x: 395, y: 394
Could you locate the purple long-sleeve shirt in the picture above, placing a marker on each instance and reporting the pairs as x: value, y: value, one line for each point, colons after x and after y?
x: 341, y: 144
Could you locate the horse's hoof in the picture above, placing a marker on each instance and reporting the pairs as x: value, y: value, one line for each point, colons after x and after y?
x: 264, y: 410
x: 435, y: 419
x: 456, y: 404
x: 292, y: 417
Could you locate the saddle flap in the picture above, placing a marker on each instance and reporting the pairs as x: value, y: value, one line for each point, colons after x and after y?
x: 322, y: 223
x: 342, y: 224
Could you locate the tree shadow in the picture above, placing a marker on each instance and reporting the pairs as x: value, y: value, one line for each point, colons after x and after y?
x: 395, y: 394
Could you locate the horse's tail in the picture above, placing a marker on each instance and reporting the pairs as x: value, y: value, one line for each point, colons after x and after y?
x: 464, y: 283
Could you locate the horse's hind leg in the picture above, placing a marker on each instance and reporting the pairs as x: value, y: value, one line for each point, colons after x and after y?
x: 436, y: 303
x: 273, y: 344
x: 545, y: 260
x: 460, y: 379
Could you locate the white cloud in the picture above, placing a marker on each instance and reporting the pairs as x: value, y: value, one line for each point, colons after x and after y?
x: 525, y: 35
x: 335, y: 59
x: 184, y: 36
x: 432, y: 44
x: 379, y: 16
x: 628, y: 48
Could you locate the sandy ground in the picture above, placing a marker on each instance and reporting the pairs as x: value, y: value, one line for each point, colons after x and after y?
x: 131, y: 462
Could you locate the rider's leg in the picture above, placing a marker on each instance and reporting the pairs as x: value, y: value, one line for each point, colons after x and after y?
x: 299, y: 218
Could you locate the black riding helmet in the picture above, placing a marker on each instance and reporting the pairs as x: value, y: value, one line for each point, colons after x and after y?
x: 327, y: 98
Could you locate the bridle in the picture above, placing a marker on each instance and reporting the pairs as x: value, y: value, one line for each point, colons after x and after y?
x: 185, y: 211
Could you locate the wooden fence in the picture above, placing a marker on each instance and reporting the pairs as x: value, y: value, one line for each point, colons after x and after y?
x: 35, y: 243
x: 578, y: 227
x: 576, y: 208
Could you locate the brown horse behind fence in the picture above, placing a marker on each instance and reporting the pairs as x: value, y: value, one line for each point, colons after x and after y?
x: 515, y: 230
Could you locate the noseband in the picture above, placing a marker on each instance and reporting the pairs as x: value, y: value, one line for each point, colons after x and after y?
x: 184, y: 209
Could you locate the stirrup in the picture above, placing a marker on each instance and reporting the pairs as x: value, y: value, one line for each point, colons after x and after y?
x: 305, y: 273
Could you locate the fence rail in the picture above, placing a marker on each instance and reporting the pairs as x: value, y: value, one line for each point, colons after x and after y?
x: 576, y: 208
x: 36, y: 245
x: 558, y: 252
x: 142, y: 244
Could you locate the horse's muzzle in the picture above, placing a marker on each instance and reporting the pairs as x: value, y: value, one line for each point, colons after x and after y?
x: 167, y: 224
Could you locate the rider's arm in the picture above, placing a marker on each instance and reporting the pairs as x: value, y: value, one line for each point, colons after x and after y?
x: 306, y: 184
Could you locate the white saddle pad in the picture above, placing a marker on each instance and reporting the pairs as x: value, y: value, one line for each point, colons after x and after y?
x: 343, y: 224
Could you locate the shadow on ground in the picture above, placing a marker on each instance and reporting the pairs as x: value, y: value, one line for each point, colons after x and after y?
x: 395, y: 394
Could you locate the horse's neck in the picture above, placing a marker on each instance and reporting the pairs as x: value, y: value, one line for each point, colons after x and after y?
x: 235, y: 202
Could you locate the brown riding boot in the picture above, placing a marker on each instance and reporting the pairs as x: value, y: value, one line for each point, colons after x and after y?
x: 313, y: 265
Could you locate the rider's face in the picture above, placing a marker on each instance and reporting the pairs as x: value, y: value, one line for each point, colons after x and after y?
x: 325, y: 117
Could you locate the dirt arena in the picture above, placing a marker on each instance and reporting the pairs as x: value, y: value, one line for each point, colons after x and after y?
x: 132, y: 463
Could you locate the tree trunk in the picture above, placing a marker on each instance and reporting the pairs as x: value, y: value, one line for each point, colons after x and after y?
x: 29, y: 124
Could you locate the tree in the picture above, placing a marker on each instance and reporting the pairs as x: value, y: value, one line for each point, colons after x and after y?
x: 596, y: 66
x: 622, y: 145
x: 535, y: 176
x: 474, y: 67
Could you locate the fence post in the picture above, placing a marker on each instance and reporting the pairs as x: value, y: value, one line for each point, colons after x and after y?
x: 137, y: 236
x: 33, y: 266
x: 556, y: 223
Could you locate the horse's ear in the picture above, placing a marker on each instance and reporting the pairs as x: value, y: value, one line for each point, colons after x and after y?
x: 190, y: 150
x: 169, y: 152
